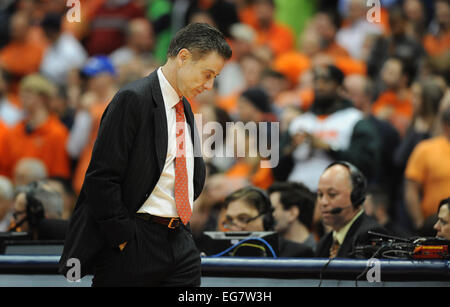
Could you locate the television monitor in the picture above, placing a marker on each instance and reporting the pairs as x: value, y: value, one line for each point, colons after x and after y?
x: 239, y: 244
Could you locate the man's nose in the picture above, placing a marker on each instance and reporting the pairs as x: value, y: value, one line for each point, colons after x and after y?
x: 209, y: 84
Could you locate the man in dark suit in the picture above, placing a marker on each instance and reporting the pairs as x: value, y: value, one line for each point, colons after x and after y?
x: 340, y: 195
x: 130, y: 224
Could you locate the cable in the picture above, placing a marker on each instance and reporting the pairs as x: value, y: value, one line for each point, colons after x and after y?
x: 243, y: 241
x: 250, y: 245
x: 323, y: 270
x: 367, y: 267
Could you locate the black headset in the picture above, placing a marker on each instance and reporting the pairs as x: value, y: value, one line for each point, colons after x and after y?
x: 359, y: 183
x: 267, y: 209
x: 268, y: 220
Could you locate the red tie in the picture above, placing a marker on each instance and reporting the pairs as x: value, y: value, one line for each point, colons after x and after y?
x: 181, y: 177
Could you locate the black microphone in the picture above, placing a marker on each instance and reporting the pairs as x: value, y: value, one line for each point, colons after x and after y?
x: 338, y: 210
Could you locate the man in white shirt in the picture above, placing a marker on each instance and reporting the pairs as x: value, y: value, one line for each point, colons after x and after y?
x: 130, y: 226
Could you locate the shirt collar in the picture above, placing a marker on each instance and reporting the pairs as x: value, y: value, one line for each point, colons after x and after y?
x: 341, y: 233
x: 169, y: 94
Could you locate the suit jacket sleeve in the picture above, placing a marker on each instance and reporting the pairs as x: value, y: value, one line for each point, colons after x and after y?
x: 108, y: 166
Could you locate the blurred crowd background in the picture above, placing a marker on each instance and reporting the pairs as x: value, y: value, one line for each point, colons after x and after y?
x: 296, y: 62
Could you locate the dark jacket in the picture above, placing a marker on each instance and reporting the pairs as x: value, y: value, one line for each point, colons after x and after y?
x: 356, y: 235
x: 127, y: 161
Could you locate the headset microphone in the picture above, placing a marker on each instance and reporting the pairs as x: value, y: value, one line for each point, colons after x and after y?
x: 338, y: 210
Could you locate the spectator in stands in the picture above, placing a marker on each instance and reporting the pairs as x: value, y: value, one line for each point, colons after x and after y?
x: 108, y: 26
x: 377, y: 205
x: 293, y: 207
x: 395, y: 102
x: 360, y: 90
x: 331, y: 130
x: 327, y: 23
x: 252, y: 67
x: 10, y: 113
x: 6, y: 202
x: 274, y: 83
x: 442, y: 226
x: 139, y: 43
x: 426, y: 97
x: 417, y: 16
x: 64, y: 188
x: 38, y: 210
x: 437, y: 41
x: 28, y: 170
x: 22, y: 55
x: 356, y: 29
x: 254, y: 107
x: 101, y: 87
x: 231, y: 78
x: 341, y: 193
x: 279, y: 38
x: 40, y: 135
x: 249, y: 209
x: 398, y: 44
x: 428, y: 174
x: 64, y: 53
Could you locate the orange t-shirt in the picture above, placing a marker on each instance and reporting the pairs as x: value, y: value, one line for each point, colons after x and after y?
x: 262, y: 178
x: 21, y: 58
x: 47, y: 143
x: 437, y: 45
x: 278, y: 37
x: 96, y: 112
x: 402, y: 109
x: 429, y: 165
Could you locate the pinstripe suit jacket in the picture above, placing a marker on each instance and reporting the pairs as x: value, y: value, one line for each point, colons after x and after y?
x: 126, y: 163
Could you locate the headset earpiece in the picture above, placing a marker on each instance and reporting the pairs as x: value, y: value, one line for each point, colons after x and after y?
x: 359, y: 183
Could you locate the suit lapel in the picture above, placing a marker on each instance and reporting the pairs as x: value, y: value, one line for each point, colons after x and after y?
x: 159, y: 121
x: 347, y: 245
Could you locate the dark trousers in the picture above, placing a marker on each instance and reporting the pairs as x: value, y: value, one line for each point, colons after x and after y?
x: 157, y: 256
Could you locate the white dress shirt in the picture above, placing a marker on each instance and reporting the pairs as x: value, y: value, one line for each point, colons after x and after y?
x: 161, y: 201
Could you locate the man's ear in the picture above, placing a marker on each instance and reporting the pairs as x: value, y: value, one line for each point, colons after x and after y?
x: 183, y: 55
x: 294, y: 213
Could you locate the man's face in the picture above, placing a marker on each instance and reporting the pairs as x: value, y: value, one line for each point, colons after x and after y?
x: 239, y: 213
x: 282, y: 217
x: 196, y: 75
x: 324, y: 86
x: 391, y: 73
x: 30, y: 100
x: 264, y: 13
x: 442, y: 226
x: 354, y: 89
x: 334, y: 191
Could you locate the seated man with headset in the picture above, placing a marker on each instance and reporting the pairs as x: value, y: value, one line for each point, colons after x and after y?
x: 250, y: 209
x: 340, y: 196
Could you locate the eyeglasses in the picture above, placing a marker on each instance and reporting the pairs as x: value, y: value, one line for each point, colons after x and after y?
x: 241, y: 221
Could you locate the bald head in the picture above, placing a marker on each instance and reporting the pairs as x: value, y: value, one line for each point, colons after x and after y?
x: 334, y: 191
x: 28, y: 170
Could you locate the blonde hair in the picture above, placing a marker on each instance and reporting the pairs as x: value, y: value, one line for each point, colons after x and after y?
x: 38, y: 84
